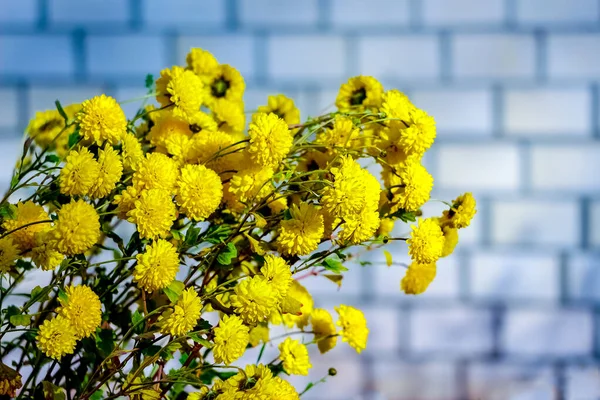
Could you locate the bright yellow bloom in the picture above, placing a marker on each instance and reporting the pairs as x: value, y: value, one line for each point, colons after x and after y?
x: 386, y: 226
x: 229, y: 115
x: 156, y: 171
x: 254, y: 299
x: 132, y: 153
x: 259, y: 334
x: 153, y: 213
x: 426, y: 241
x: 358, y: 228
x: 462, y: 211
x: 298, y: 293
x: 450, y: 240
x: 417, y: 278
x: 215, y: 150
x: 255, y: 382
x: 79, y: 174
x: 251, y: 184
x: 184, y: 316
x: 77, y: 228
x: 102, y: 119
x: 168, y: 130
x: 182, y: 88
x: 45, y: 127
x: 125, y: 201
x: 231, y: 339
x: 412, y: 188
x: 359, y: 93
x: 202, y: 122
x: 396, y: 106
x: 111, y: 170
x: 277, y: 273
x: 27, y: 213
x: 82, y: 309
x: 199, y: 192
x: 201, y: 62
x: 324, y: 329
x: 354, y: 327
x: 283, y: 107
x: 270, y: 140
x: 295, y: 357
x: 283, y: 389
x: 301, y: 234
x: 343, y: 133
x: 56, y: 337
x: 225, y: 82
x: 44, y: 253
x: 9, y: 252
x: 157, y: 266
x: 420, y: 134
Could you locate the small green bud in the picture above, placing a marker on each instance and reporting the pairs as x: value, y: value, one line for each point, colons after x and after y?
x: 332, y: 372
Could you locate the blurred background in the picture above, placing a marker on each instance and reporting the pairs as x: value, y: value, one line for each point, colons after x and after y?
x: 514, y: 87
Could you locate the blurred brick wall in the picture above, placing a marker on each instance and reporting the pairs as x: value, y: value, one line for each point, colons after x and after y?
x: 514, y: 86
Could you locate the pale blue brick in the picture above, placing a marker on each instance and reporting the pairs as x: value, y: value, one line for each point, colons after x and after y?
x: 495, y: 56
x: 131, y: 56
x: 461, y: 12
x: 540, y: 12
x: 584, y: 277
x: 402, y: 379
x: 408, y: 58
x: 543, y: 111
x: 594, y: 224
x: 498, y: 275
x: 452, y: 331
x: 74, y: 12
x: 457, y: 112
x: 11, y: 147
x: 183, y: 14
x: 385, y: 329
x: 577, y: 170
x: 42, y: 98
x: 236, y: 50
x: 574, y: 56
x: 583, y: 382
x: 280, y: 13
x: 478, y: 167
x: 8, y: 108
x: 352, y: 283
x: 18, y: 12
x: 532, y: 223
x: 124, y: 94
x: 360, y: 13
x: 539, y: 333
x: 36, y: 55
x: 510, y: 381
x: 292, y: 58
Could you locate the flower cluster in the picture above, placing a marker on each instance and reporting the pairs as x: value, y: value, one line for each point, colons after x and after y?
x: 184, y: 233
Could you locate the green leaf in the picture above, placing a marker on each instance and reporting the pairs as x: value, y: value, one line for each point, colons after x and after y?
x: 61, y: 111
x: 217, y: 233
x: 335, y: 278
x: 8, y: 211
x: 149, y: 83
x: 105, y: 341
x: 177, y: 235
x: 191, y: 236
x: 365, y: 263
x: 20, y: 320
x: 199, y: 339
x: 52, y: 158
x: 62, y: 296
x: 74, y: 138
x: 209, y: 374
x: 48, y: 391
x: 151, y: 350
x: 334, y: 265
x: 40, y: 293
x: 388, y: 258
x: 203, y: 325
x: 174, y: 290
x: 137, y: 320
x: 12, y: 310
x: 404, y: 215
x: 167, y: 352
x: 227, y: 254
x: 14, y: 181
x: 97, y: 395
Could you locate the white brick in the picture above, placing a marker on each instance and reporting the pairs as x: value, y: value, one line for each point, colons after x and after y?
x: 237, y: 51
x: 126, y: 55
x: 594, y: 224
x: 548, y: 112
x: 42, y: 97
x: 533, y: 222
x: 584, y: 277
x: 557, y: 12
x: 293, y: 57
x: 19, y: 12
x: 574, y: 56
x: 566, y: 167
x: 478, y: 167
x: 74, y: 12
x: 583, y: 382
x: 8, y: 108
x: 510, y: 381
x: 514, y: 276
x: 184, y: 13
x: 413, y: 380
x: 498, y: 56
x: 46, y: 55
x: 385, y: 333
x: 457, y: 112
x: 461, y: 12
x: 534, y: 333
x: 407, y: 57
x: 124, y: 94
x: 280, y: 13
x: 353, y: 13
x: 451, y: 331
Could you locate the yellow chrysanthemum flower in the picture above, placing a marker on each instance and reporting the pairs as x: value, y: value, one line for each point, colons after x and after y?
x: 450, y: 240
x: 9, y: 252
x: 56, y: 337
x: 44, y: 253
x: 202, y: 62
x: 417, y: 278
x: 259, y: 334
x: 324, y: 329
x: 254, y: 299
x: 156, y: 171
x: 298, y: 293
x: 231, y: 339
x: 295, y: 357
x: 82, y: 309
x: 202, y: 122
x: 270, y: 140
x: 301, y: 234
x: 102, y: 119
x: 462, y: 212
x: 156, y: 266
x: 153, y: 213
x: 410, y: 186
x: 283, y: 107
x: 359, y: 93
x: 426, y: 241
x: 225, y: 82
x: 132, y: 153
x: 358, y: 228
x: 396, y: 106
x: 343, y: 133
x: 277, y: 273
x: 184, y: 316
x: 255, y: 382
x: 79, y: 174
x: 168, y: 128
x: 125, y: 201
x: 27, y: 213
x: 386, y: 226
x: 420, y: 134
x: 77, y: 228
x: 283, y: 389
x: 110, y: 173
x: 216, y: 150
x: 182, y: 88
x: 45, y: 127
x: 199, y: 192
x: 251, y: 184
x: 229, y: 115
x: 354, y: 327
